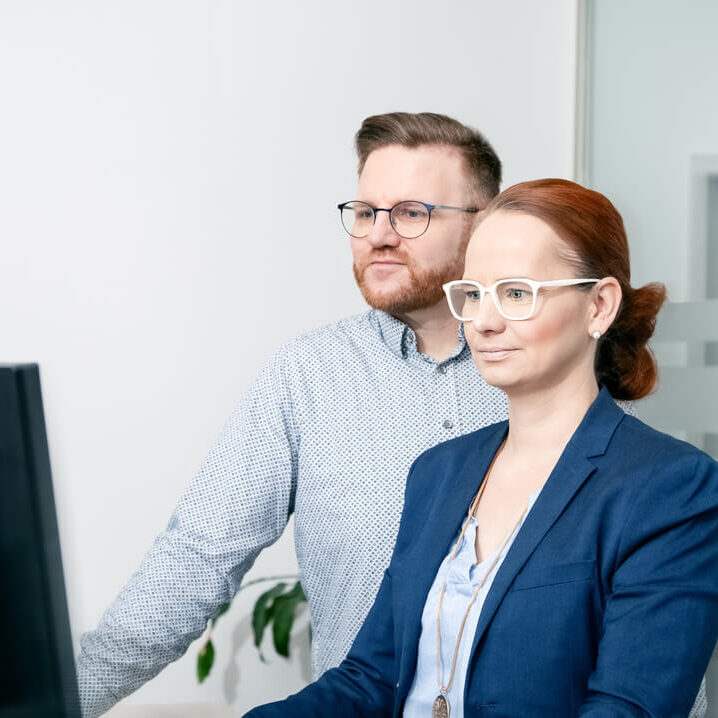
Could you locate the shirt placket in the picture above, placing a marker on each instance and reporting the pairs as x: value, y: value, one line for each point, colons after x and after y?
x: 449, y: 422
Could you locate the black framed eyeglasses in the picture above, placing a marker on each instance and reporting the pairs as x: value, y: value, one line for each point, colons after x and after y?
x: 409, y: 219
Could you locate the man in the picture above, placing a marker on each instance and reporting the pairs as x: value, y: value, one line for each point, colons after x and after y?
x: 331, y: 425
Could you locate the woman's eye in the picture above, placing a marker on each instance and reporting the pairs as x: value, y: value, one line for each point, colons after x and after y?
x: 474, y: 296
x: 516, y: 293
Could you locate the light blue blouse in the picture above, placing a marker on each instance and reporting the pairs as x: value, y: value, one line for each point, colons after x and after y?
x: 462, y: 576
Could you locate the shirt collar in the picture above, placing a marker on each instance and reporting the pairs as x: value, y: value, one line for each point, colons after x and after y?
x: 401, y: 339
x: 392, y: 332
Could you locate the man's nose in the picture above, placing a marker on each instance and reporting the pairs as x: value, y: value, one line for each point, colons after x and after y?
x: 382, y: 234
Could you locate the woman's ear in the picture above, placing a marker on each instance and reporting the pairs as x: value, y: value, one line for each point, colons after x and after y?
x: 606, y: 302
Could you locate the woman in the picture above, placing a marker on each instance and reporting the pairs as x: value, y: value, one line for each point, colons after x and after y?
x: 564, y: 562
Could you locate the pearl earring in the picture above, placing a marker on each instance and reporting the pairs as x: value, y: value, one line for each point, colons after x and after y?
x: 596, y: 335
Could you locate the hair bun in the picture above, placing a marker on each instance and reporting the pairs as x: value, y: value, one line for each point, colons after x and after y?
x: 624, y: 362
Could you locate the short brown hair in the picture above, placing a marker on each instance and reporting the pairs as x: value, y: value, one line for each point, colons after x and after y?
x: 483, y: 167
x: 589, y: 223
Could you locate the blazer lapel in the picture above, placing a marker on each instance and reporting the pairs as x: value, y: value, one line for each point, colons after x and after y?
x: 447, y: 508
x: 570, y: 473
x: 566, y: 479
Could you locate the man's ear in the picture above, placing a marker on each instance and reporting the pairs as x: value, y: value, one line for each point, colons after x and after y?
x: 607, y: 296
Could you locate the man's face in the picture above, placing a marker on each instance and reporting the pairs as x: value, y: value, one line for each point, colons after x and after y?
x: 399, y: 275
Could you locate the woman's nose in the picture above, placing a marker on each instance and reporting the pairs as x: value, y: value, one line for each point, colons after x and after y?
x: 486, y: 317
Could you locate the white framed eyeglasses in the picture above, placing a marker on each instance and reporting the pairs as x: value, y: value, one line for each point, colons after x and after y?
x: 514, y: 299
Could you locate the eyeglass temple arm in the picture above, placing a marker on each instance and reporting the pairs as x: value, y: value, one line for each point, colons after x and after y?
x: 460, y: 209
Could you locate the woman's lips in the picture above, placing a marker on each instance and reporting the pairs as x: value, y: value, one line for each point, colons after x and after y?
x: 495, y: 354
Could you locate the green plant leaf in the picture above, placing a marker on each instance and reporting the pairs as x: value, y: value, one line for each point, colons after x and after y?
x: 296, y: 592
x: 285, y: 607
x: 282, y: 626
x: 263, y: 612
x: 262, y: 616
x: 220, y: 612
x: 205, y: 659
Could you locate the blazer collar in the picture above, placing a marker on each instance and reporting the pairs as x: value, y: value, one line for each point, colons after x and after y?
x: 595, y: 431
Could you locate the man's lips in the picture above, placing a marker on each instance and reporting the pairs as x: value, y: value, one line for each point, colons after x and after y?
x: 385, y: 265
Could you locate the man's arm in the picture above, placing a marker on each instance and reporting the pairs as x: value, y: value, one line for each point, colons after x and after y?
x: 238, y: 503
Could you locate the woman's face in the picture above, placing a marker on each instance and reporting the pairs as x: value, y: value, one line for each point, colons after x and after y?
x: 555, y: 344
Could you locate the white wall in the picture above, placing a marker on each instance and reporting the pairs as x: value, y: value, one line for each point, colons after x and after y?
x: 148, y: 150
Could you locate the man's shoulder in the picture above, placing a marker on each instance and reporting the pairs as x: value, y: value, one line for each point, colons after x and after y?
x: 348, y: 331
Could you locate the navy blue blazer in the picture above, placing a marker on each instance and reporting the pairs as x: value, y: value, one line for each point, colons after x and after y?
x: 605, y: 605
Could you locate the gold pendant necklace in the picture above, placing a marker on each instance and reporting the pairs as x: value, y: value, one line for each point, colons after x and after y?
x: 441, y: 707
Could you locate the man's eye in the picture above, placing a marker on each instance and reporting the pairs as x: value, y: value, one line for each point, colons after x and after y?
x: 473, y: 296
x: 410, y: 212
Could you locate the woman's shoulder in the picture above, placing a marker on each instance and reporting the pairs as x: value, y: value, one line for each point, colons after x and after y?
x: 445, y: 461
x: 644, y: 440
x: 457, y: 449
x: 662, y: 462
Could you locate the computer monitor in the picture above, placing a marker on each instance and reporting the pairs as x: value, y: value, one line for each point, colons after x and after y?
x: 37, y: 669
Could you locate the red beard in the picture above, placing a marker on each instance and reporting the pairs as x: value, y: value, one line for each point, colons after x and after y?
x: 424, y: 288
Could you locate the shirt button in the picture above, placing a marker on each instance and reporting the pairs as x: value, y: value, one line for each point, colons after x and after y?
x: 448, y: 424
x: 441, y: 369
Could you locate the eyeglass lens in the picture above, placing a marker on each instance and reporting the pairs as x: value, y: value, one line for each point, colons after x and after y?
x: 409, y: 219
x: 516, y: 300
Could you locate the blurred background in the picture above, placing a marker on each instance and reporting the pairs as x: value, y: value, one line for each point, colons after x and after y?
x: 161, y: 159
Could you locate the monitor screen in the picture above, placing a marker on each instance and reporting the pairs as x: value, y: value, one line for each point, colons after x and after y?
x: 37, y: 671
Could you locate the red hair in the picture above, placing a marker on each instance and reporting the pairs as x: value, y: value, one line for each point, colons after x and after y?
x: 592, y: 227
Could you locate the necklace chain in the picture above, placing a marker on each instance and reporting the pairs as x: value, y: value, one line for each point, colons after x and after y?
x: 443, y: 689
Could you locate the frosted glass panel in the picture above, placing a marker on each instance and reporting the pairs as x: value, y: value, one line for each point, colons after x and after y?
x: 650, y: 142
